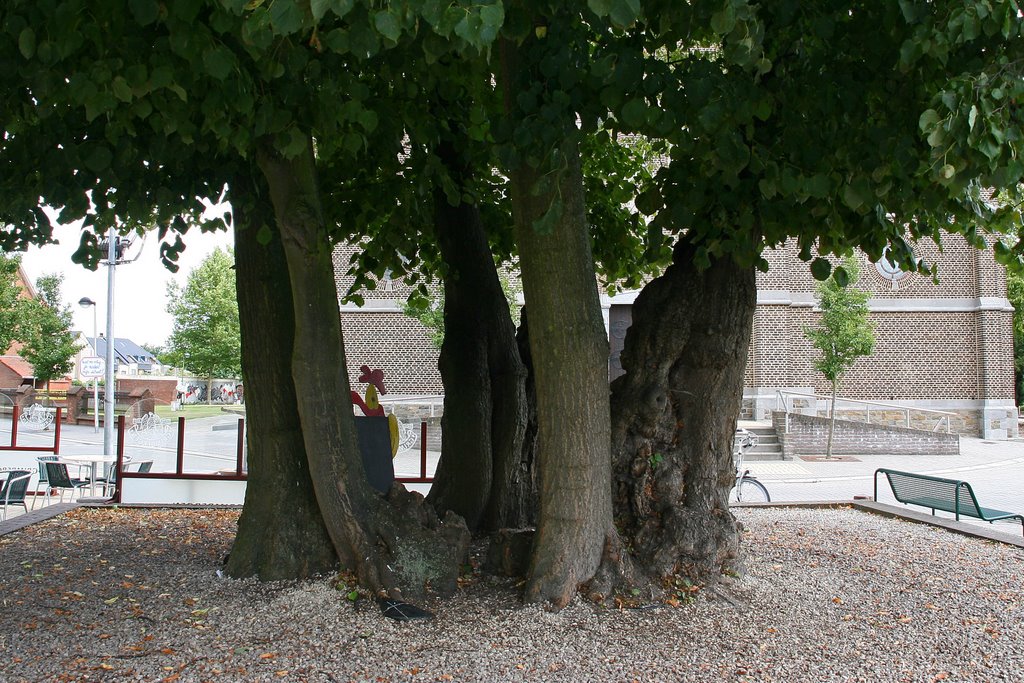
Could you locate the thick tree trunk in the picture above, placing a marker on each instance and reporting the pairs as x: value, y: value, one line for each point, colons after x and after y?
x: 480, y: 474
x: 568, y: 345
x: 398, y: 545
x: 674, y: 417
x: 281, y: 534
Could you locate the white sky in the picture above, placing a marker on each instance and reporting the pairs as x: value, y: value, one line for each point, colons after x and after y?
x: 140, y: 288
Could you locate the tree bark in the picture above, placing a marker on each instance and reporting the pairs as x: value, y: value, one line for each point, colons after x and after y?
x: 674, y: 417
x: 481, y: 475
x: 568, y: 345
x: 281, y: 533
x: 396, y: 546
x: 831, y: 419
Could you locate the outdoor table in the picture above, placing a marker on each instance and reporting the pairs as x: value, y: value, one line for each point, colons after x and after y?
x: 92, y: 461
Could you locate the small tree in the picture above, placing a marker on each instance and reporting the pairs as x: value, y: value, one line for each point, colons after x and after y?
x: 844, y: 333
x: 50, y: 345
x: 14, y: 305
x: 205, y: 335
x: 1015, y: 292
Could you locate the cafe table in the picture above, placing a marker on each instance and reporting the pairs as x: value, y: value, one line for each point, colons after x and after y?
x: 91, y: 461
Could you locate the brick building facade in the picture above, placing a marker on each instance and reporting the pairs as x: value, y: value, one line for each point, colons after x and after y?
x: 379, y: 335
x: 945, y: 346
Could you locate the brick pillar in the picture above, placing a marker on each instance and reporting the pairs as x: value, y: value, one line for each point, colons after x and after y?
x: 995, y: 350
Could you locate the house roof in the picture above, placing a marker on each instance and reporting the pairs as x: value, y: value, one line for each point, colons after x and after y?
x: 125, y: 351
x: 18, y: 365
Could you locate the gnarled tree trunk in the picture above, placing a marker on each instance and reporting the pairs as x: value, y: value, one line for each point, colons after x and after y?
x: 481, y: 475
x: 270, y: 544
x: 674, y: 417
x: 395, y: 545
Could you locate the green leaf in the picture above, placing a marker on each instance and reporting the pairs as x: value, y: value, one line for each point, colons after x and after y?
x: 817, y: 185
x: 624, y: 13
x: 99, y: 158
x: 264, y: 235
x: 342, y: 7
x: 723, y: 22
x: 27, y: 42
x: 841, y: 277
x: 492, y: 15
x: 367, y: 119
x: 144, y: 11
x: 319, y: 8
x: 546, y: 224
x: 601, y: 8
x: 387, y: 25
x: 821, y: 269
x: 122, y: 90
x: 286, y: 17
x: 972, y: 117
x: 634, y: 113
x: 928, y: 119
x: 218, y: 62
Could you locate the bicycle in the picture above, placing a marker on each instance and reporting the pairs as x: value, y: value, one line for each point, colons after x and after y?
x: 747, y: 488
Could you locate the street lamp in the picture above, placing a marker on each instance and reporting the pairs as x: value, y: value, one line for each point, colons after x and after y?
x: 86, y: 302
x: 108, y: 389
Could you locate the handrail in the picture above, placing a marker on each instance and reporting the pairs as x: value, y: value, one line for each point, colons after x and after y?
x: 944, y: 416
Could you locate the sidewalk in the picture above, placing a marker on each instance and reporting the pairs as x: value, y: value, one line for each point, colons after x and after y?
x: 994, y: 469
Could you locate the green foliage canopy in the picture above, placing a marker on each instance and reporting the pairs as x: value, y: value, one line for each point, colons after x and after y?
x: 13, y: 305
x: 50, y: 345
x: 205, y: 335
x: 844, y: 333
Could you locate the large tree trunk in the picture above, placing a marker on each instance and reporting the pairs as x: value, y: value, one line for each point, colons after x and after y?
x: 569, y: 350
x: 480, y: 475
x: 397, y: 545
x: 281, y: 534
x: 674, y: 417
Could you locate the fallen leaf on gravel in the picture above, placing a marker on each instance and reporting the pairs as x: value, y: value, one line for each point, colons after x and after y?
x: 267, y: 655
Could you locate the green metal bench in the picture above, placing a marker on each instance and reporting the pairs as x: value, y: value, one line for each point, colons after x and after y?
x: 948, y: 495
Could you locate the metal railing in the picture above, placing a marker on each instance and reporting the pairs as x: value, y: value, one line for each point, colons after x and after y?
x: 239, y: 472
x: 941, y: 417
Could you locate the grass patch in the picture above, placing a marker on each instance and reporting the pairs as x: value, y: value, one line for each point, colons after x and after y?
x: 190, y: 411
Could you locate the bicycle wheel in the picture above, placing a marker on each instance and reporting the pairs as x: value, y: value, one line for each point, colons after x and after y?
x: 749, y: 490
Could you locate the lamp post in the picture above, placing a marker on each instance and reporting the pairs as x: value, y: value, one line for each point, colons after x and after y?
x: 86, y: 302
x: 108, y: 389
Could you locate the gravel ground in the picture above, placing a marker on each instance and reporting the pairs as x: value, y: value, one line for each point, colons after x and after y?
x: 827, y: 595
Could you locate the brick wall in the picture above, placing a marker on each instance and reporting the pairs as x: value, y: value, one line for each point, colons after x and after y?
x: 161, y: 389
x: 808, y: 435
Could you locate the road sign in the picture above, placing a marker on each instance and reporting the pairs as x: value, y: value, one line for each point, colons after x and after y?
x: 93, y: 366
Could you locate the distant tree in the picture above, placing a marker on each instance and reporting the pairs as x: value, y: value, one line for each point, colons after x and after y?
x: 844, y: 333
x: 50, y: 345
x: 205, y: 336
x: 165, y: 354
x: 12, y: 303
x: 1015, y: 292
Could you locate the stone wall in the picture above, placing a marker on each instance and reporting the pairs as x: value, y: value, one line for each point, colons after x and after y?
x: 808, y: 435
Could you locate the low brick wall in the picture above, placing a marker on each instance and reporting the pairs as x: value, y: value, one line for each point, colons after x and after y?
x: 808, y: 435
x: 162, y: 389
